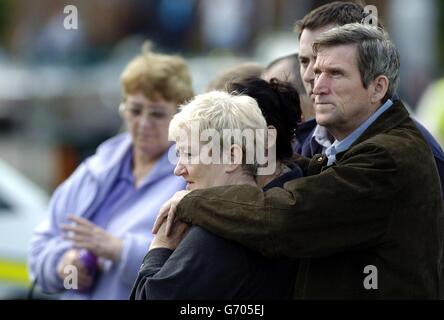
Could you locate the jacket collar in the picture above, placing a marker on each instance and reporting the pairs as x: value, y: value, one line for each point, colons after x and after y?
x: 390, y: 119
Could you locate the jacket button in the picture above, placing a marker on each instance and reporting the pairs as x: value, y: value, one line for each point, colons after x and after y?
x: 320, y: 159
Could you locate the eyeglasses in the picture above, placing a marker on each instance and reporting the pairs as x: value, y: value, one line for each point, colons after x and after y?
x: 137, y: 111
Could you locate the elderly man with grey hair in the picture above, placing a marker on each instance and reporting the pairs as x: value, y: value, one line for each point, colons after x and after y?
x: 311, y: 137
x: 367, y: 221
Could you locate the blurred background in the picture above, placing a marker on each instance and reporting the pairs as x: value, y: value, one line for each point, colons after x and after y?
x: 60, y: 89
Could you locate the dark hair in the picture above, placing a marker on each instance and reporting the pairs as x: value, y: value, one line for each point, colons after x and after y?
x: 337, y: 13
x: 280, y: 105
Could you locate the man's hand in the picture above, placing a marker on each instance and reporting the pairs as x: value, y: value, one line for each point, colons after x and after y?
x: 72, y: 258
x: 161, y: 240
x: 168, y: 212
x: 86, y: 235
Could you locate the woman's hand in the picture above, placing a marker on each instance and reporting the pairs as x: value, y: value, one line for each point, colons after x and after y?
x: 161, y: 240
x: 86, y: 235
x: 72, y: 258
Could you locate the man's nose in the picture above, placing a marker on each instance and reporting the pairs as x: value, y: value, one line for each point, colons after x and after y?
x: 146, y: 122
x: 179, y: 170
x: 320, y: 84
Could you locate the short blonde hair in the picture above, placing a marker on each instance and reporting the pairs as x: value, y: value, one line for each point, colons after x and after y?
x: 151, y: 73
x: 219, y: 110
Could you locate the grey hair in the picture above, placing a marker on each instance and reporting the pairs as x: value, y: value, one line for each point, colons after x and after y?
x: 377, y: 55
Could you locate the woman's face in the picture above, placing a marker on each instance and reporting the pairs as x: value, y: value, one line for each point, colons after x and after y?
x: 197, y: 174
x: 147, y: 122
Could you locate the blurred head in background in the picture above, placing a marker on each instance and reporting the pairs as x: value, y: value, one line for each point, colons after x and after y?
x: 236, y: 73
x: 286, y: 69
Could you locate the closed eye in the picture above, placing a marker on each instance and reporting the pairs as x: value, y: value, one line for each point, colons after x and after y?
x: 304, y: 61
x: 336, y: 72
x: 158, y: 114
x: 135, y: 111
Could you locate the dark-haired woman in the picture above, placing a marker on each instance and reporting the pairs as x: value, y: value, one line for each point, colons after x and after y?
x: 280, y: 105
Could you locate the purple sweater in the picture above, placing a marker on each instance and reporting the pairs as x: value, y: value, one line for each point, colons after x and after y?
x: 89, y: 192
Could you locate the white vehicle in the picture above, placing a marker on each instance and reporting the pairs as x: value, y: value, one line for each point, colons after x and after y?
x: 22, y: 207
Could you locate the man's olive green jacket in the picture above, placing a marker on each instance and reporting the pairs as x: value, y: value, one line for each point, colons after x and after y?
x: 370, y: 226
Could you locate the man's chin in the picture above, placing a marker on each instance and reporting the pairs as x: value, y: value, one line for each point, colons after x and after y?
x: 322, y: 120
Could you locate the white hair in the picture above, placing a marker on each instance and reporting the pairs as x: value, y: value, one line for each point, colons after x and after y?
x: 222, y: 112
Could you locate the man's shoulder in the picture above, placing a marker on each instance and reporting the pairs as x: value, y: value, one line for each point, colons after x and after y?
x: 403, y: 144
x: 393, y: 126
x: 401, y: 139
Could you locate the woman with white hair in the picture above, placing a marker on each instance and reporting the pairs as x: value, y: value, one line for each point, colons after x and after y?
x: 194, y: 263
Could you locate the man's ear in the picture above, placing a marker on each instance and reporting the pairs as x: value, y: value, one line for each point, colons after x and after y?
x: 236, y: 154
x: 271, y: 136
x: 379, y: 88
